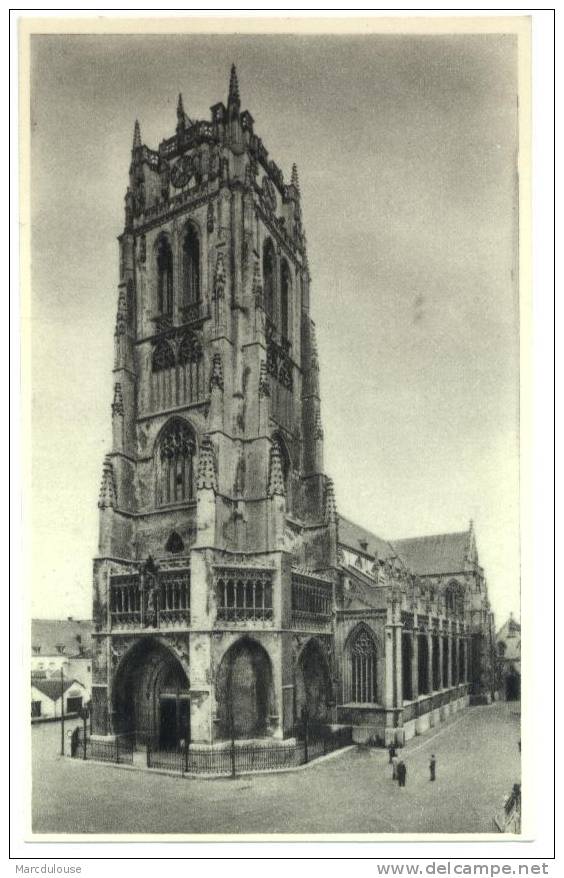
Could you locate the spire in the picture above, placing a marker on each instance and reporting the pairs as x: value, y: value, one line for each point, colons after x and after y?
x: 108, y: 493
x: 180, y: 108
x: 233, y: 87
x: 136, y: 135
x: 295, y: 179
x: 117, y: 404
x: 206, y: 466
x: 276, y: 476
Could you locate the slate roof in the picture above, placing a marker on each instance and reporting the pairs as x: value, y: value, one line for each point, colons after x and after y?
x: 52, y: 687
x: 442, y: 553
x: 49, y: 633
x: 350, y: 535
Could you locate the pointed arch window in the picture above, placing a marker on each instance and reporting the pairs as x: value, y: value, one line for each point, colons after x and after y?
x: 191, y: 265
x: 362, y: 667
x: 285, y: 291
x: 176, y: 464
x: 164, y: 276
x: 269, y: 277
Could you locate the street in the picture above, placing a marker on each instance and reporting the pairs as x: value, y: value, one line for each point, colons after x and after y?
x: 478, y: 761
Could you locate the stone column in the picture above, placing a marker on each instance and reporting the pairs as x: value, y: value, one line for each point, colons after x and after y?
x: 466, y: 644
x: 389, y: 667
x: 430, y: 680
x: 398, y: 628
x: 441, y: 650
x: 415, y: 664
x: 449, y: 666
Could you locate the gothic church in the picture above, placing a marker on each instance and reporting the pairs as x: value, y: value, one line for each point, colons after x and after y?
x: 229, y: 595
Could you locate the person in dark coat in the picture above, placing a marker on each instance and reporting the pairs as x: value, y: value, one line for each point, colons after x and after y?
x: 432, y: 767
x: 392, y: 753
x: 402, y: 773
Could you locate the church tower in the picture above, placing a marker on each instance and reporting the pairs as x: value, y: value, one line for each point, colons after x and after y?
x: 215, y: 577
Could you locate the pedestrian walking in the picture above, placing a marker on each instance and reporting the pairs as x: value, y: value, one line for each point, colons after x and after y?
x: 402, y: 772
x: 392, y: 753
x: 395, y: 766
x: 432, y: 767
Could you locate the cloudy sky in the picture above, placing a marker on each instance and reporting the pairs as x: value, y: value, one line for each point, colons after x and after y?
x: 407, y: 150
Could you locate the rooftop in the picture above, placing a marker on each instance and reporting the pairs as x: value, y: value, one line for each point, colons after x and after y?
x: 441, y: 553
x: 62, y: 637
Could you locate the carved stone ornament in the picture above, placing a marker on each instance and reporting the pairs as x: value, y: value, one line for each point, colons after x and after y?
x: 269, y: 193
x: 182, y: 172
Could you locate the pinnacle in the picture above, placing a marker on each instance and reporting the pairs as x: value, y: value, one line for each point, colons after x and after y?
x: 117, y: 404
x: 330, y: 502
x: 276, y: 478
x: 295, y: 179
x: 108, y: 494
x: 216, y: 378
x: 233, y: 86
x: 206, y: 466
x: 180, y: 107
x: 136, y: 135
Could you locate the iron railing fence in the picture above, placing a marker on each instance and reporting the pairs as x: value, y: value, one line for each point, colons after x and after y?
x: 231, y: 759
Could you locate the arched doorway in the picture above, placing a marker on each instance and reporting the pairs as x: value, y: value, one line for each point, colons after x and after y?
x: 151, y: 696
x: 313, y: 683
x: 244, y: 691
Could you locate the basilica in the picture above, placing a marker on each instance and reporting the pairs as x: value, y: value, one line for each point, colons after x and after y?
x: 230, y: 597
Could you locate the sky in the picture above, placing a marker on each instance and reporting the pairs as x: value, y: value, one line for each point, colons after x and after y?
x: 407, y: 149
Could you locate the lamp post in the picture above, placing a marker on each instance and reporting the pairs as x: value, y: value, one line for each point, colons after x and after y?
x: 83, y: 714
x: 62, y: 713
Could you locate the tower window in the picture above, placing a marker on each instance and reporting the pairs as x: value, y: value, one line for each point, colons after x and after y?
x: 191, y: 266
x: 164, y: 271
x: 269, y: 277
x: 285, y: 287
x: 176, y: 463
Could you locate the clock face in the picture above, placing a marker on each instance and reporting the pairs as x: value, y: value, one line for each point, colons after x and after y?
x: 269, y: 192
x: 181, y: 172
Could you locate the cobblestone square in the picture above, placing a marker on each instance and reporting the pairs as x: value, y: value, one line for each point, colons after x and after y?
x: 478, y: 761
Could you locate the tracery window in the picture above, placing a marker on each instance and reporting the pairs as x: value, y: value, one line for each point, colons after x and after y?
x: 164, y: 276
x: 285, y: 287
x: 191, y: 266
x: 362, y: 668
x: 269, y: 277
x: 176, y: 463
x: 163, y: 357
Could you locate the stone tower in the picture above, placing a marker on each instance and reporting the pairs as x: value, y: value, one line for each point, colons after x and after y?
x: 215, y: 578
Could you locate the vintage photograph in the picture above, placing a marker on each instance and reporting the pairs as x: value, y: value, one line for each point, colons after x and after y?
x: 274, y: 377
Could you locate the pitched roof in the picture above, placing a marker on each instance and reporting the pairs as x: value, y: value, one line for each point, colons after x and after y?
x: 48, y: 634
x: 441, y: 553
x: 351, y: 535
x: 52, y: 687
